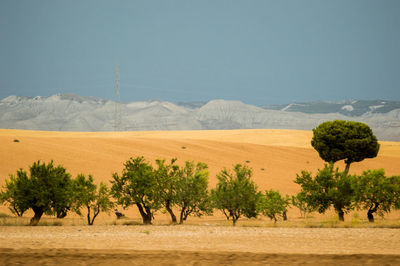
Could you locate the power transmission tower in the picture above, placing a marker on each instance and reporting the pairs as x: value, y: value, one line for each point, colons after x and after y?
x: 117, y: 113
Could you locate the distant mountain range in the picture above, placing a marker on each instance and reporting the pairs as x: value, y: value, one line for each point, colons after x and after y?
x: 348, y: 108
x: 67, y: 112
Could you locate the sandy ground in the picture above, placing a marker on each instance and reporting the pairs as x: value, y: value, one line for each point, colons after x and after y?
x: 275, y: 156
x: 197, y: 245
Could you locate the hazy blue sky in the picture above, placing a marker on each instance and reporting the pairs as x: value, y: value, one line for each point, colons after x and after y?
x: 260, y: 52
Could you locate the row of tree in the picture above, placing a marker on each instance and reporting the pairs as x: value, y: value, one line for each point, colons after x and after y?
x: 50, y: 190
x: 371, y: 191
x: 169, y: 187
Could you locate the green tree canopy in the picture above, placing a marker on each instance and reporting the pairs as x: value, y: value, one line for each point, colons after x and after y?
x: 300, y: 201
x: 48, y: 190
x: 15, y: 193
x: 192, y: 196
x: 374, y: 192
x: 137, y: 185
x: 344, y: 140
x: 166, y: 176
x: 88, y: 196
x: 236, y: 194
x: 328, y: 188
x: 272, y: 204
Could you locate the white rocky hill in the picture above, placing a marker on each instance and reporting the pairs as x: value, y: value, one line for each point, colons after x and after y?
x: 76, y: 113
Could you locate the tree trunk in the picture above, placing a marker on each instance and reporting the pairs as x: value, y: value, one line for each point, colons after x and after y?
x: 94, y: 217
x: 234, y: 219
x: 147, y: 219
x: 36, y: 218
x: 370, y: 216
x: 88, y: 215
x: 15, y: 211
x: 146, y: 216
x: 347, y: 169
x: 226, y: 215
x: 341, y: 215
x: 182, y: 215
x: 284, y: 215
x: 169, y: 210
x: 62, y: 213
x: 371, y: 212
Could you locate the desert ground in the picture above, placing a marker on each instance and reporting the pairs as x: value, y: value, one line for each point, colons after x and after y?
x: 275, y: 156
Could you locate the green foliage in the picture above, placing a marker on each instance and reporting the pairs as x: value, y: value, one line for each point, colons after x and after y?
x: 374, y: 192
x: 184, y: 187
x: 47, y: 190
x: 236, y: 194
x: 15, y: 192
x: 191, y: 191
x: 166, y: 178
x: 300, y: 201
x: 328, y: 188
x: 395, y: 183
x: 87, y: 195
x: 137, y: 185
x: 273, y: 205
x: 344, y: 140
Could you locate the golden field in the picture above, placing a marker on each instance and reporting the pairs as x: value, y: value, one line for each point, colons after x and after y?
x: 275, y: 157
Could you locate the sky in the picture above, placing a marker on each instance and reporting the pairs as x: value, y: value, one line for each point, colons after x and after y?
x: 260, y: 52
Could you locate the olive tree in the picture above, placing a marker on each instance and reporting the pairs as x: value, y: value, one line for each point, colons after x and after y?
x: 374, y: 192
x: 166, y: 176
x: 47, y: 190
x: 328, y: 188
x: 88, y: 195
x: 183, y: 187
x: 192, y: 196
x: 137, y: 185
x: 272, y: 204
x: 344, y: 140
x: 14, y: 193
x: 236, y: 194
x: 300, y: 201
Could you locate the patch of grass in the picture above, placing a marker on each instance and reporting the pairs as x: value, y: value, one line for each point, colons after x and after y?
x: 57, y: 223
x: 262, y: 169
x: 50, y: 223
x: 247, y: 161
x: 183, y: 147
x: 13, y: 221
x: 16, y: 140
x: 4, y: 215
x: 147, y: 232
x: 355, y: 220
